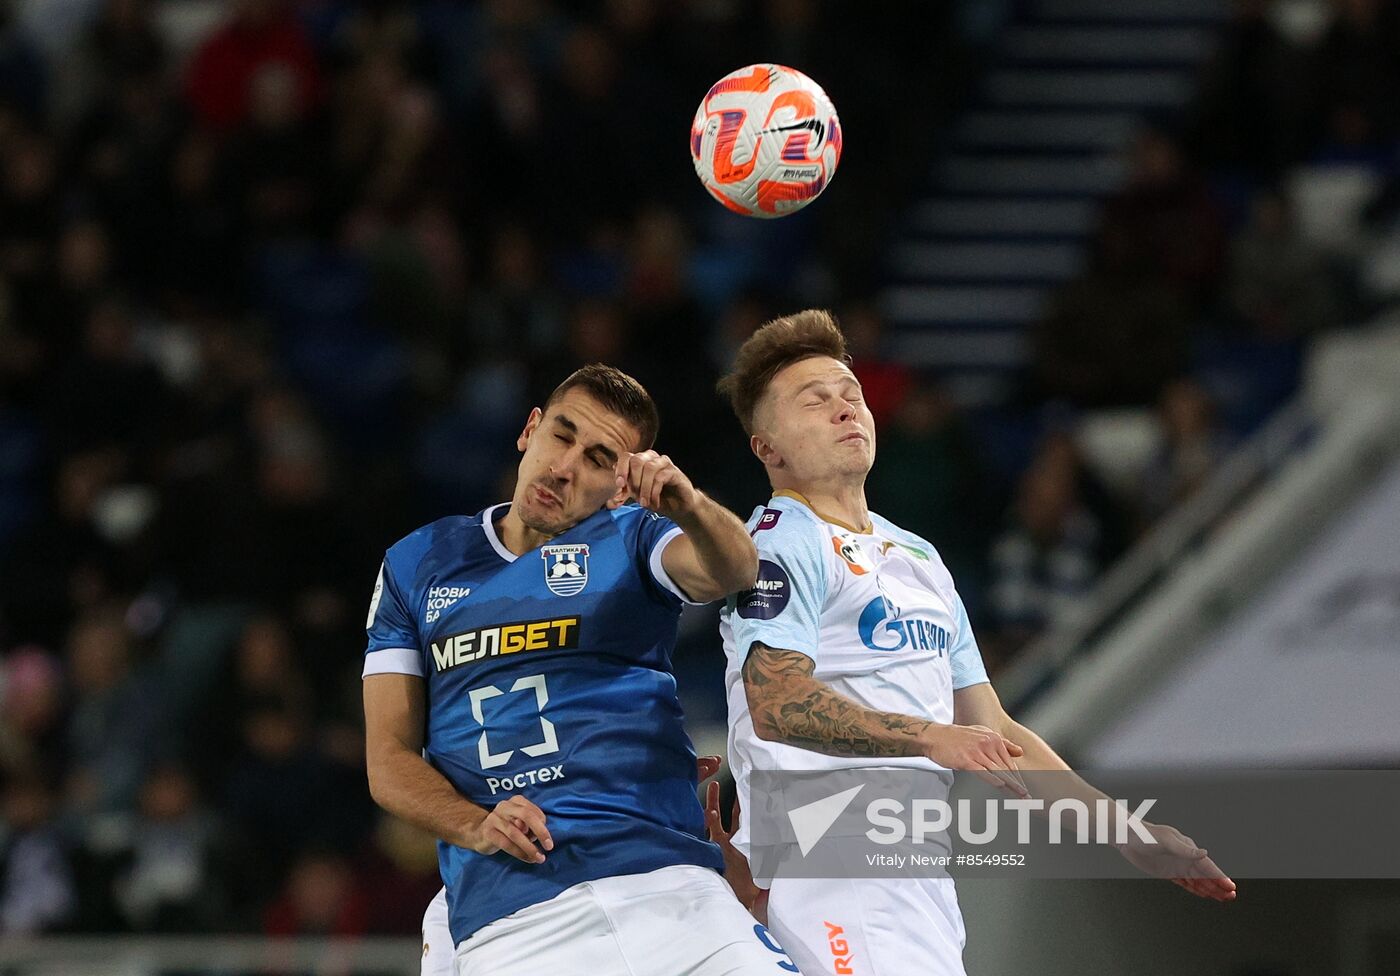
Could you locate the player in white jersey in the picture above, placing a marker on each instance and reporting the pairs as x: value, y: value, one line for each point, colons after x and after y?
x: 854, y: 650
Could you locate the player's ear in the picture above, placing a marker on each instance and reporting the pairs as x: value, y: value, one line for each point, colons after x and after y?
x: 765, y: 452
x: 532, y: 423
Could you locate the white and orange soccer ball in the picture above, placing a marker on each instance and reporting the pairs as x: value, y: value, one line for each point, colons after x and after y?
x: 765, y: 140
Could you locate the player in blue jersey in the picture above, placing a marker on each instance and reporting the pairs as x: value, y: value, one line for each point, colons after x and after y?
x: 853, y: 650
x: 520, y: 705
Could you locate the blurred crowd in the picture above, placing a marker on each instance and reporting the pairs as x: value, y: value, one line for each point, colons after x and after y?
x: 1255, y: 218
x: 280, y: 280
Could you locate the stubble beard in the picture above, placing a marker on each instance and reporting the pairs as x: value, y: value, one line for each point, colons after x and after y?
x: 540, y: 523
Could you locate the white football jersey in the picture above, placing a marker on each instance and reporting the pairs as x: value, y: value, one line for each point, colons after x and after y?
x: 878, y: 614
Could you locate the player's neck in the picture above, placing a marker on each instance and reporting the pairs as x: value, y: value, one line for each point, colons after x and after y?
x: 518, y: 537
x: 839, y: 504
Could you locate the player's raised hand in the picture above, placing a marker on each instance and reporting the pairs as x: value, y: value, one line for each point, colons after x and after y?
x: 655, y: 482
x: 977, y: 749
x: 736, y: 868
x: 515, y: 826
x: 1175, y: 857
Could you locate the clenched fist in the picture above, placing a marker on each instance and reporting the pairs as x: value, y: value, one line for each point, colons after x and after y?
x: 656, y: 483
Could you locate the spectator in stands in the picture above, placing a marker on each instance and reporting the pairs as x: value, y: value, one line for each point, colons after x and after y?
x: 884, y: 380
x: 31, y: 713
x: 586, y: 116
x: 1254, y: 106
x: 1359, y: 75
x: 665, y: 316
x: 29, y: 206
x: 117, y: 152
x: 1166, y: 221
x: 517, y: 311
x: 284, y: 534
x: 400, y: 873
x: 419, y: 266
x: 739, y: 319
x: 20, y: 353
x: 168, y: 880
x: 274, y: 157
x: 277, y: 789
x: 285, y: 794
x: 60, y: 565
x: 930, y: 480
x: 82, y: 278
x: 1115, y: 336
x: 263, y: 669
x: 116, y: 712
x: 1192, y: 445
x: 199, y: 247
x: 1279, y: 285
x: 260, y: 35
x: 1046, y: 559
x: 37, y: 891
x: 321, y: 897
x: 22, y: 69
x: 105, y: 392
x: 124, y: 40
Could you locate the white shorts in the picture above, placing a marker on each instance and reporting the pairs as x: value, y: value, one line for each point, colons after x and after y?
x: 677, y: 921
x: 869, y: 926
x: 438, y: 950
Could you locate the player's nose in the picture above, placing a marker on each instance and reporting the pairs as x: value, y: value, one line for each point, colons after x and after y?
x: 564, y: 466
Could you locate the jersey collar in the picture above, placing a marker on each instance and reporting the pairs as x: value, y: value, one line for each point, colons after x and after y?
x: 789, y: 493
x: 488, y: 524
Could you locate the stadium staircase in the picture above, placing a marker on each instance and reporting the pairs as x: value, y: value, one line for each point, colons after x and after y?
x: 1013, y: 199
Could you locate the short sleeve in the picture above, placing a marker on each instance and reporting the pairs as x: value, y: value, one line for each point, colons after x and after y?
x: 965, y: 660
x: 393, y: 639
x: 784, y: 607
x: 654, y: 534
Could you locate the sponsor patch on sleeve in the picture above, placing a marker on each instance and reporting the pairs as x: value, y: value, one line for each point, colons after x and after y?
x: 769, y: 595
x: 767, y: 520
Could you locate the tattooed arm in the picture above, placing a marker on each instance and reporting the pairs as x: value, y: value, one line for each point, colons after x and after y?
x: 788, y: 704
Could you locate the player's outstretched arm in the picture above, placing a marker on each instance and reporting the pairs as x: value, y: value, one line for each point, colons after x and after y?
x: 715, y: 556
x: 787, y: 704
x: 1170, y: 854
x: 403, y: 783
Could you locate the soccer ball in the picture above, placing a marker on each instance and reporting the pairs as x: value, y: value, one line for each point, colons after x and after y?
x: 765, y: 140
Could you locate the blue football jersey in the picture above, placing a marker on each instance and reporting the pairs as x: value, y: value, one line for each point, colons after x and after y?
x: 549, y: 676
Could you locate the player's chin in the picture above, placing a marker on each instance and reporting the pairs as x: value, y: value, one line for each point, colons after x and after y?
x: 551, y: 523
x: 859, y: 462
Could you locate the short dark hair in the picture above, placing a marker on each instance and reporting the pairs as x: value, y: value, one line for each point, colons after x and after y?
x: 775, y: 345
x: 617, y: 392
